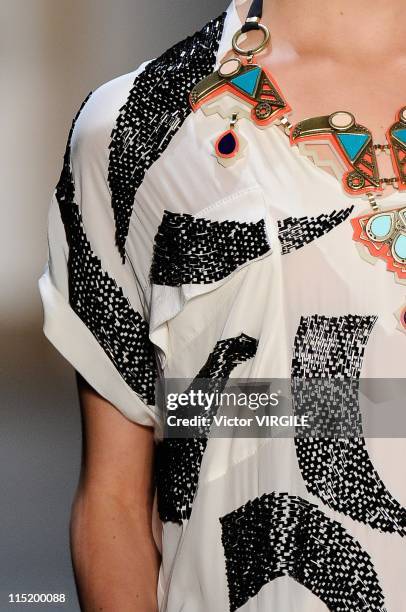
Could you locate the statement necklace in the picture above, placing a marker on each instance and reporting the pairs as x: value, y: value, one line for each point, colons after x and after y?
x: 241, y: 88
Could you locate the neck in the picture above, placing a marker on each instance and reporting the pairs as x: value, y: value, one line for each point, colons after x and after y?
x: 339, y: 29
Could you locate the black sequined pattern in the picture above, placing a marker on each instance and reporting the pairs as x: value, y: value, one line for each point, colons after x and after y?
x: 99, y: 302
x: 335, y: 468
x: 178, y: 460
x: 282, y: 535
x: 295, y: 233
x: 196, y: 250
x: 330, y: 405
x: 156, y: 107
x: 331, y: 347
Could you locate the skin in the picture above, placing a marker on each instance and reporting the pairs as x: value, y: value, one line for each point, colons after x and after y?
x: 326, y: 56
x: 115, y: 558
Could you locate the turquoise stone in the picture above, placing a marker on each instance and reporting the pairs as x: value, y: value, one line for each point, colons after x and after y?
x: 381, y: 226
x: 399, y: 246
x: 352, y: 143
x: 400, y: 135
x: 247, y: 82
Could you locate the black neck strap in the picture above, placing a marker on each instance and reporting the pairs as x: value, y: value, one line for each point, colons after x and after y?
x: 254, y: 16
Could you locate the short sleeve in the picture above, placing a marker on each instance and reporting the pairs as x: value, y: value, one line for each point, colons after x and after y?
x: 96, y: 302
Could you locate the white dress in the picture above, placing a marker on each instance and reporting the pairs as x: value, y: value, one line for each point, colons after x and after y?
x: 163, y: 263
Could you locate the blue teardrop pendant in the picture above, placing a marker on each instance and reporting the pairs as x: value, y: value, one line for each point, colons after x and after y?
x: 227, y: 145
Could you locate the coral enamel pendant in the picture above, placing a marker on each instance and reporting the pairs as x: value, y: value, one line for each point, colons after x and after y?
x: 354, y: 159
x: 229, y: 146
x: 382, y: 235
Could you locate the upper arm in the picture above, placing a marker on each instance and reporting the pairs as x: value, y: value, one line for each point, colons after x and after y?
x: 118, y: 454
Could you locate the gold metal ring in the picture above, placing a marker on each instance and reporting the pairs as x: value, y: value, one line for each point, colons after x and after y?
x: 255, y: 50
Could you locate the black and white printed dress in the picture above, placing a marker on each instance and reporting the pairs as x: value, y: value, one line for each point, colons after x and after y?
x: 164, y: 263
